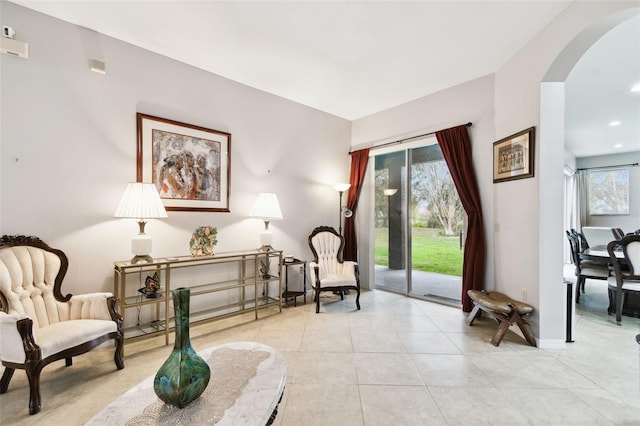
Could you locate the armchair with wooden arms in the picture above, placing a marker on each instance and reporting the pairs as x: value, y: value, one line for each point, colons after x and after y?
x: 40, y: 325
x: 328, y: 271
x: 626, y: 277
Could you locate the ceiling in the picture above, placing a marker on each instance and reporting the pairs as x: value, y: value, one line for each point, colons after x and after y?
x: 598, y: 92
x: 356, y: 58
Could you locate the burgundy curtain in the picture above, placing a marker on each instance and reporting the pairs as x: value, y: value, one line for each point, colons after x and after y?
x: 359, y: 161
x: 456, y: 148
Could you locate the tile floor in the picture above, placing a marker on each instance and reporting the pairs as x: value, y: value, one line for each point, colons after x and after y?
x: 398, y: 361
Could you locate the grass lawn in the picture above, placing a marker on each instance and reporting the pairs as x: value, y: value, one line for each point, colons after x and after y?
x: 431, y: 252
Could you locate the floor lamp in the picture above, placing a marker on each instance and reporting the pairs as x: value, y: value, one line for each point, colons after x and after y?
x: 344, y: 211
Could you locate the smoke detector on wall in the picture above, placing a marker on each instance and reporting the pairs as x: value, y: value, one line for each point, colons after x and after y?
x: 13, y: 47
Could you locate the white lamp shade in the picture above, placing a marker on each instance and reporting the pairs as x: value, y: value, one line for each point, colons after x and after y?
x: 341, y: 187
x: 266, y: 207
x: 140, y: 200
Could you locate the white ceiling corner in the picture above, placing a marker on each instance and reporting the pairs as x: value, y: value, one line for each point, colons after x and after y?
x: 347, y: 58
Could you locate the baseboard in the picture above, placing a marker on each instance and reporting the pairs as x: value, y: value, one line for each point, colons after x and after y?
x: 551, y: 343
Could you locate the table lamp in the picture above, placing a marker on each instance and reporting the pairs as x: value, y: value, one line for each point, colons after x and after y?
x: 141, y: 201
x: 267, y: 208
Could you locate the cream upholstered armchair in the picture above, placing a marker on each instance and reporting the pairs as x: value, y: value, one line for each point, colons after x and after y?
x: 328, y: 271
x: 38, y: 325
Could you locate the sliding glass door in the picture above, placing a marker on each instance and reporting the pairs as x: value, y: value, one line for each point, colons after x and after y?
x: 390, y: 222
x: 418, y: 224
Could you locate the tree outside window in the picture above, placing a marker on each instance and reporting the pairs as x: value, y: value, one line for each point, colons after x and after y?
x: 435, y: 198
x: 609, y: 192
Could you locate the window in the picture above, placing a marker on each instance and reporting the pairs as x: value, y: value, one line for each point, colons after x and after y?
x: 609, y: 192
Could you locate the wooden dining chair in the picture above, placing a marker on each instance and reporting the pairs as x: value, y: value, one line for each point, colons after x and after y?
x: 626, y: 272
x: 584, y: 268
x: 582, y: 241
x: 617, y: 233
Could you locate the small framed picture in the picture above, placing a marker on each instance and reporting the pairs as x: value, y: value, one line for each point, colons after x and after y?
x: 190, y: 165
x: 513, y: 156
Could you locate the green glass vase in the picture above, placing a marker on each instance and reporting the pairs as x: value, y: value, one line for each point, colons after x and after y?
x: 184, y: 375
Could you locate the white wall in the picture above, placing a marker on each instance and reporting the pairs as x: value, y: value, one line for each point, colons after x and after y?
x: 523, y: 218
x: 469, y: 102
x: 630, y: 222
x: 590, y: 22
x: 570, y: 160
x: 68, y: 148
x: 530, y: 245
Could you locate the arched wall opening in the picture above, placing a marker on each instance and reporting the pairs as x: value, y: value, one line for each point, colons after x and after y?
x: 551, y: 155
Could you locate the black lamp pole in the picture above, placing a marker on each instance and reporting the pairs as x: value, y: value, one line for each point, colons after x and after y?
x: 340, y: 215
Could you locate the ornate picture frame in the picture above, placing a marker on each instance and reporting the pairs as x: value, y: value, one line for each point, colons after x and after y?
x: 190, y: 165
x: 513, y: 156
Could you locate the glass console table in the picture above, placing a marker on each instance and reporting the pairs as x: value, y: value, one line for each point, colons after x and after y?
x: 222, y: 285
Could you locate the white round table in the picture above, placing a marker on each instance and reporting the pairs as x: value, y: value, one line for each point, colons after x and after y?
x: 246, y: 386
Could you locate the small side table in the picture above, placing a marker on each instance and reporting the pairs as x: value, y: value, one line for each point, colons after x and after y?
x: 288, y: 294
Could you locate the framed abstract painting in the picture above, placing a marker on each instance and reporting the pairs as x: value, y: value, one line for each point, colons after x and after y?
x: 190, y: 165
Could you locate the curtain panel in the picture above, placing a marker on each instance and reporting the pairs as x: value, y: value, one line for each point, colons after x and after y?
x: 581, y: 199
x: 359, y: 160
x: 456, y: 149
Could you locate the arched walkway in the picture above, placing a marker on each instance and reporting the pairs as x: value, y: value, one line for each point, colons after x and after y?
x: 552, y: 130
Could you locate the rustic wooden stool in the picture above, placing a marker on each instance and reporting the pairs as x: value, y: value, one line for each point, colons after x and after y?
x: 504, y: 310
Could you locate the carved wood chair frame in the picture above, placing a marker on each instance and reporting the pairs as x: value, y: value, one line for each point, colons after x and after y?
x: 336, y: 289
x: 34, y: 363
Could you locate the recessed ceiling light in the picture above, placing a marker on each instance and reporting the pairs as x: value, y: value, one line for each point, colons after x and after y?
x: 636, y: 88
x: 618, y: 145
x: 614, y: 123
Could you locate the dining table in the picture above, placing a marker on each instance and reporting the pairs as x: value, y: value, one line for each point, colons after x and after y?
x: 599, y: 254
